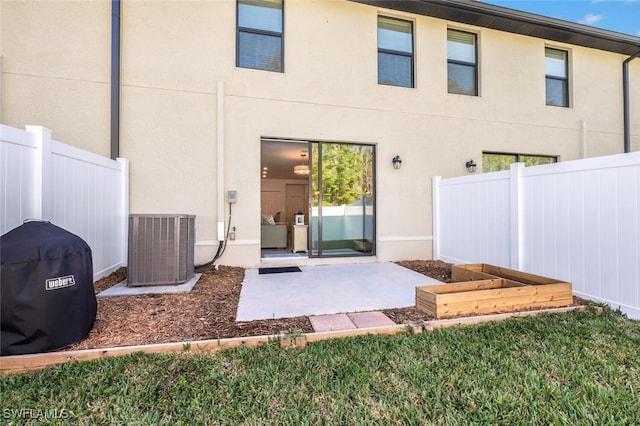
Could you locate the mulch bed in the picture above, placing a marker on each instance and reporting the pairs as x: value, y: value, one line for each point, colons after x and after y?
x: 208, y: 311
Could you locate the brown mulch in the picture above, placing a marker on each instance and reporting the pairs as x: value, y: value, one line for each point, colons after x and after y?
x: 207, y: 312
x: 436, y: 269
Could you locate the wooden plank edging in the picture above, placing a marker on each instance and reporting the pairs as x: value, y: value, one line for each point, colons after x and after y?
x: 32, y: 362
x: 479, y: 319
x: 23, y: 363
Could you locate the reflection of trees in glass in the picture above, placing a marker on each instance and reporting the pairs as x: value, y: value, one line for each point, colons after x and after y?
x: 534, y: 160
x: 347, y: 173
x: 273, y: 63
x: 461, y: 80
x: 492, y: 162
x: 497, y: 162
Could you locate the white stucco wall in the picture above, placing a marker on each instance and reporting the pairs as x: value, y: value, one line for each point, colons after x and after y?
x: 56, y: 69
x: 175, y: 53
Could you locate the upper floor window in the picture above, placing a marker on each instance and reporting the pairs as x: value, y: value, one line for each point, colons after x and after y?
x: 395, y: 52
x: 496, y: 161
x: 462, y: 62
x: 556, y: 77
x: 259, y: 38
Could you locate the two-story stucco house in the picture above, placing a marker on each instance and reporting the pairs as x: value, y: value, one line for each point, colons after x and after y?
x: 302, y: 106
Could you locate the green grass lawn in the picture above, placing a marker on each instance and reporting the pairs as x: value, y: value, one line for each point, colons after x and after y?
x: 570, y: 368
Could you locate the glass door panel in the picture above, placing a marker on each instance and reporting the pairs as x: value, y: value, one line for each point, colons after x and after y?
x: 342, y: 199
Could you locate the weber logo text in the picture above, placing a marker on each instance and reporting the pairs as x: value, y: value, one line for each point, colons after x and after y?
x: 60, y: 282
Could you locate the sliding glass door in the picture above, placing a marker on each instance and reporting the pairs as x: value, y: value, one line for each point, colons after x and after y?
x: 342, y: 199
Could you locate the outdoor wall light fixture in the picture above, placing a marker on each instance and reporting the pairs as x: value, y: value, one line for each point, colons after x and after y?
x: 471, y: 166
x: 397, y: 162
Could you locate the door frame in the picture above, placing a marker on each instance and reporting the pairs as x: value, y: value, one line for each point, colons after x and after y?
x: 295, y: 146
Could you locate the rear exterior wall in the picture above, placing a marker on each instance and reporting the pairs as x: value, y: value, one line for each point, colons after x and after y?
x: 177, y: 55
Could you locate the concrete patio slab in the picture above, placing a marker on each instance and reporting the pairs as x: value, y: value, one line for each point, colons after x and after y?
x: 319, y: 290
x: 370, y: 319
x: 331, y: 322
x: 121, y: 289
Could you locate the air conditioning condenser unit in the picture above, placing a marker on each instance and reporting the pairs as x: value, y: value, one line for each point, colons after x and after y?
x: 161, y: 249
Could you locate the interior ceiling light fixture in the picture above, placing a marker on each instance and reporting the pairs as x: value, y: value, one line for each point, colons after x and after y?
x: 302, y: 169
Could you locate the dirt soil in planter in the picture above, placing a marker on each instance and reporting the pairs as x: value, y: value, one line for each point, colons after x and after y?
x: 207, y: 312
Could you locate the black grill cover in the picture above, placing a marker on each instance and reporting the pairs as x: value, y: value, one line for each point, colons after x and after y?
x: 46, y: 288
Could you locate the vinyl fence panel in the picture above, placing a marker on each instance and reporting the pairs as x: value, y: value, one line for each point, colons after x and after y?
x: 577, y: 221
x: 82, y: 192
x: 18, y: 158
x: 475, y: 210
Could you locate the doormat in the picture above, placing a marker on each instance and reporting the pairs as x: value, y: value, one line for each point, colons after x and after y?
x: 279, y: 270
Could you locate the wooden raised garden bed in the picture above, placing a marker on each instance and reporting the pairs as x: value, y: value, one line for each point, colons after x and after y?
x: 483, y: 289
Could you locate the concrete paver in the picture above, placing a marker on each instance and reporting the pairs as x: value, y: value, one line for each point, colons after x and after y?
x: 370, y: 319
x: 331, y: 322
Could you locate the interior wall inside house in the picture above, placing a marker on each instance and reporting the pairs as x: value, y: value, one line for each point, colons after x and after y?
x: 275, y: 193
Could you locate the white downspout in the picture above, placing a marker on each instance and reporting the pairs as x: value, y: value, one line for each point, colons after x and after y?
x: 626, y: 101
x: 583, y: 139
x: 220, y: 158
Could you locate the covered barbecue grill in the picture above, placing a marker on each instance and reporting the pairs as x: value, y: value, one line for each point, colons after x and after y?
x: 46, y: 289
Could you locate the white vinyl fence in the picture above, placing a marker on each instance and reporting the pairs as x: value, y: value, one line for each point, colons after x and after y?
x: 82, y: 192
x: 577, y: 221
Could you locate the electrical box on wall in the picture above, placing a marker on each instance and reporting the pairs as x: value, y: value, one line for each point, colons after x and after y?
x: 232, y: 196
